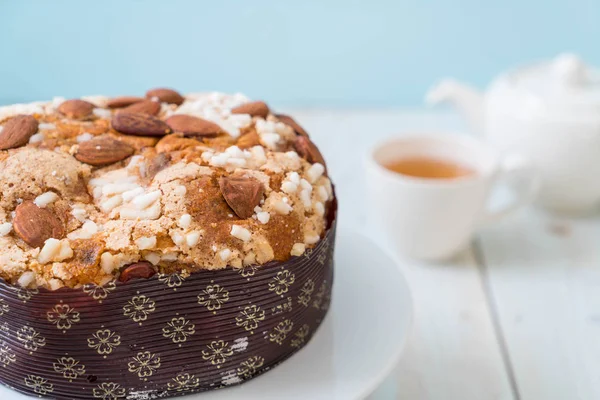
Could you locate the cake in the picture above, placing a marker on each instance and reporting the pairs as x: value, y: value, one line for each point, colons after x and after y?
x: 157, y: 246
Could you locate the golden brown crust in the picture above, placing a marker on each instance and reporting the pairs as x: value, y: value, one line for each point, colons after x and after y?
x: 125, y: 190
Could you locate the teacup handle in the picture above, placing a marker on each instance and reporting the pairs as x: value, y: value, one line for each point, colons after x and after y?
x: 517, y: 173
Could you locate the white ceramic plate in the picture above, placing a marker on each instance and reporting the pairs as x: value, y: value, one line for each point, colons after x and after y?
x: 358, y: 344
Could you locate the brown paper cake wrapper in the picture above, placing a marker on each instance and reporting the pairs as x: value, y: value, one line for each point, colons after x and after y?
x: 164, y: 336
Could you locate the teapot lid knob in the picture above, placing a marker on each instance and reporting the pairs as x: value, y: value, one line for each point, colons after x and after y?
x: 570, y: 69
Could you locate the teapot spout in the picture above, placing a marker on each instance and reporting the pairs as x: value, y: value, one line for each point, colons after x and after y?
x: 467, y: 99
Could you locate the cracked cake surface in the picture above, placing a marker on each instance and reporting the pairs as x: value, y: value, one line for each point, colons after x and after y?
x: 97, y: 189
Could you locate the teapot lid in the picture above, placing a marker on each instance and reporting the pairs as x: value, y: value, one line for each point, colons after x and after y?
x: 565, y: 87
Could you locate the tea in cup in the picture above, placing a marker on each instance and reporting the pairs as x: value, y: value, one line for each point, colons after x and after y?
x: 428, y: 193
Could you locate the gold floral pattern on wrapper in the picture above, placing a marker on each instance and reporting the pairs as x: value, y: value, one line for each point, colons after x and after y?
x: 104, y: 341
x: 172, y: 281
x: 99, y: 292
x: 183, y: 383
x: 7, y: 355
x: 286, y: 306
x: 138, y: 308
x: 109, y: 391
x: 250, y: 317
x: 4, y: 307
x: 63, y: 316
x: 69, y: 367
x: 306, y: 292
x: 38, y: 384
x: 217, y: 352
x: 166, y: 335
x: 31, y: 339
x: 249, y: 367
x: 300, y: 336
x: 144, y: 364
x: 213, y: 297
x: 280, y: 332
x: 248, y: 271
x: 178, y: 330
x: 24, y: 294
x: 282, y: 282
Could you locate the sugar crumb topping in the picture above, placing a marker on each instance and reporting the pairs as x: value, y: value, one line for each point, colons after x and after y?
x: 162, y: 201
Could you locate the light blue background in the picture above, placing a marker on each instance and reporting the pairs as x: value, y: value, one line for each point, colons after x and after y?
x: 292, y: 53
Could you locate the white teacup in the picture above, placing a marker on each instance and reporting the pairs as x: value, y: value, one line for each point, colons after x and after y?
x: 434, y: 219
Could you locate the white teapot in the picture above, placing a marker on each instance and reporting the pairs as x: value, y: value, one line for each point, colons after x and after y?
x: 549, y: 112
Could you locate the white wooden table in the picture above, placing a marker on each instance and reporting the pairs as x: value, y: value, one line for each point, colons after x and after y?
x: 517, y: 316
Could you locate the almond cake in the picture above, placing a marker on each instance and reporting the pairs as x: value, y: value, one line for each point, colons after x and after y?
x: 206, y: 217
